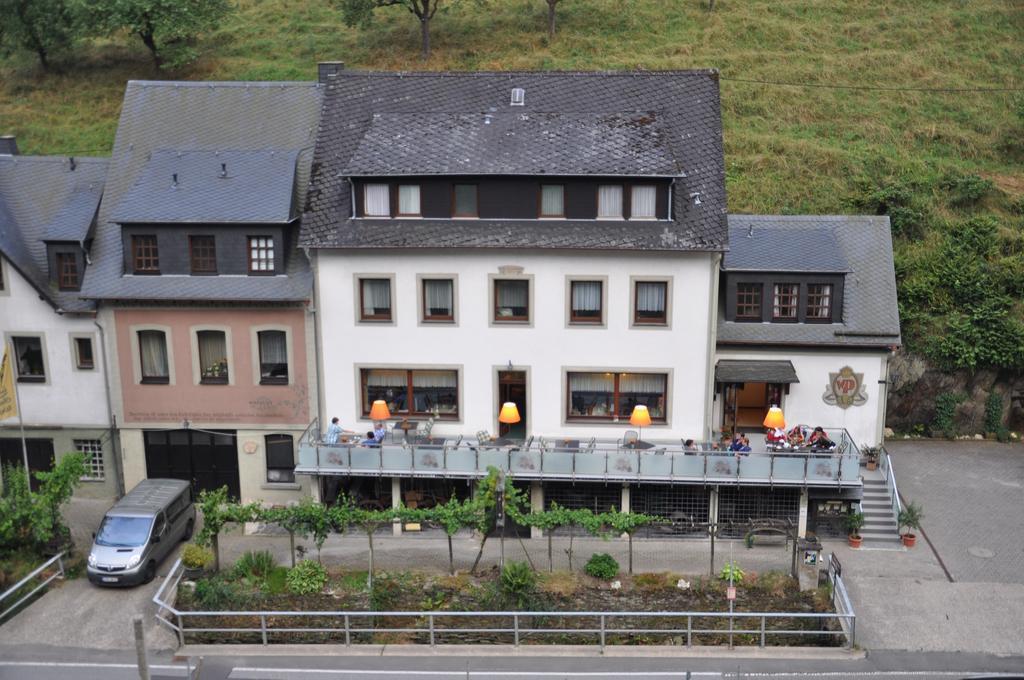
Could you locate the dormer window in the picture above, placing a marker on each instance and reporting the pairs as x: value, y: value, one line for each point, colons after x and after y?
x: 609, y: 202
x: 145, y: 255
x: 552, y: 200
x: 644, y: 202
x: 67, y: 271
x: 518, y: 96
x: 748, y: 301
x: 203, y: 254
x: 409, y: 200
x: 819, y: 302
x: 464, y: 201
x: 377, y: 200
x: 784, y: 305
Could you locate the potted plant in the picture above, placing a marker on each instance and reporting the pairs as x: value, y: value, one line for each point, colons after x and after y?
x: 910, y: 517
x: 196, y: 559
x: 872, y: 453
x: 854, y: 521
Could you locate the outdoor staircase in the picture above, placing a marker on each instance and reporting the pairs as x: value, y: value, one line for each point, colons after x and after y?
x: 879, y: 530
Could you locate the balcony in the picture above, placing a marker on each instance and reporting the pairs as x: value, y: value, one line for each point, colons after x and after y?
x: 595, y: 461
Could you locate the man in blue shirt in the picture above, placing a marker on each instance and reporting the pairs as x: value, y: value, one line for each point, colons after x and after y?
x: 333, y: 432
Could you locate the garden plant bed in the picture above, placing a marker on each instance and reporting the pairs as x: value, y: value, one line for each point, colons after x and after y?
x: 346, y: 591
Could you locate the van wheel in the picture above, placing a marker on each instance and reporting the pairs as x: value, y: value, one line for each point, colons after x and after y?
x: 150, y: 573
x: 189, y: 528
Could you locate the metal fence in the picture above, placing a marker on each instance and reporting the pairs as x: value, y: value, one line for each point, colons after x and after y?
x: 841, y: 599
x: 434, y: 626
x: 890, y: 482
x: 36, y: 573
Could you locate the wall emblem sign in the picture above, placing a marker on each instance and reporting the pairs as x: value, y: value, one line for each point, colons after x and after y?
x: 845, y: 389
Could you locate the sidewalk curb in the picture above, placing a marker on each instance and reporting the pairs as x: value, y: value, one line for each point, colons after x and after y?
x: 637, y: 651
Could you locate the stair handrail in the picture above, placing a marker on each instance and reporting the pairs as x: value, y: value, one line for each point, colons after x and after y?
x: 890, y: 482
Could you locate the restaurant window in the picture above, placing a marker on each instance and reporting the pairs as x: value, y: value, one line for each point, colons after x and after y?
x: 261, y: 254
x: 92, y: 450
x: 203, y: 254
x: 643, y: 202
x: 651, y: 303
x: 511, y: 300
x: 412, y: 392
x: 280, y: 458
x: 784, y: 304
x: 552, y: 200
x: 67, y: 271
x: 153, y: 357
x: 273, y: 347
x: 376, y: 200
x: 586, y: 302
x: 28, y: 357
x: 375, y: 299
x: 609, y: 201
x: 748, y: 301
x: 145, y: 255
x: 213, y: 357
x: 438, y: 300
x: 409, y: 200
x: 607, y: 396
x: 464, y: 200
x: 83, y: 354
x: 819, y: 302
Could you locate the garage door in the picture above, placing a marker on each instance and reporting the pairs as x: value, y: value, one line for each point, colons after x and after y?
x: 207, y: 459
x: 40, y: 455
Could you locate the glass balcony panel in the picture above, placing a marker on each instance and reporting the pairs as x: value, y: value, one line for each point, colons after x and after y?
x: 789, y: 467
x: 688, y: 466
x: 365, y: 458
x: 755, y: 466
x: 559, y: 462
x: 590, y: 464
x: 396, y: 458
x: 623, y: 463
x: 851, y: 468
x: 723, y: 466
x: 493, y: 457
x: 526, y: 462
x: 431, y: 458
x: 655, y: 464
x: 822, y: 468
x: 307, y: 456
x: 461, y: 460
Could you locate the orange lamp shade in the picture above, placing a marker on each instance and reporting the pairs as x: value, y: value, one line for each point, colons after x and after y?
x: 640, y: 417
x: 775, y: 419
x: 509, y: 413
x: 379, y: 410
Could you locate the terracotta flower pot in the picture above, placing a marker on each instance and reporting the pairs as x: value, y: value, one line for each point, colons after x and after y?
x: 872, y: 464
x: 854, y: 541
x: 909, y: 540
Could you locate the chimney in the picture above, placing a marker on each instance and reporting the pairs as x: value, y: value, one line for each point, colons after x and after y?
x: 326, y: 70
x: 8, y: 145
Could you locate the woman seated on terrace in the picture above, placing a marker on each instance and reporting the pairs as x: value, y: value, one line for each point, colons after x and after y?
x: 819, y: 439
x: 776, y: 438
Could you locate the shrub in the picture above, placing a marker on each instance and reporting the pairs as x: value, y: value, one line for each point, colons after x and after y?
x: 993, y: 412
x: 732, y: 571
x: 213, y: 594
x: 965, y: 190
x: 945, y: 410
x: 196, y: 556
x: 910, y: 516
x: 257, y: 564
x: 518, y: 583
x: 385, y: 593
x: 306, y: 577
x: 602, y: 566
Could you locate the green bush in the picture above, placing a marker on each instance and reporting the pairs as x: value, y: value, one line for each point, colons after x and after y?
x: 733, y: 571
x: 306, y: 577
x: 945, y: 410
x: 196, y: 556
x: 993, y: 412
x: 257, y: 564
x: 965, y: 190
x: 518, y: 583
x: 30, y: 520
x: 602, y: 566
x: 385, y: 593
x: 214, y: 594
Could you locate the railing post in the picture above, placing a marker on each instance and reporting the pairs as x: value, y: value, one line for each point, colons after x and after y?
x: 807, y: 460
x: 430, y: 620
x: 60, y: 564
x: 181, y: 632
x: 602, y: 632
x: 853, y: 632
x: 771, y: 469
x: 762, y: 629
x: 348, y: 634
x: 689, y: 630
x: 515, y: 628
x: 263, y: 628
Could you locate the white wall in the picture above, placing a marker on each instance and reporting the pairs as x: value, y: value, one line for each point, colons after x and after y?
x: 805, y: 404
x: 545, y: 349
x: 69, y: 397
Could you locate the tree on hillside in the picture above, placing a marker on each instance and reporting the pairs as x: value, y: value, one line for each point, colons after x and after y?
x: 168, y: 28
x: 360, y: 13
x: 44, y: 27
x: 552, y: 4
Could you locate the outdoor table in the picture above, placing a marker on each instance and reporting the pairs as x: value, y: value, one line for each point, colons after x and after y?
x: 567, y: 445
x: 432, y: 442
x: 504, y: 441
x: 405, y: 426
x: 638, y: 445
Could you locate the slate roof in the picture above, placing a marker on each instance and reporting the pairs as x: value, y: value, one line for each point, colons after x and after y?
x: 813, y: 248
x: 688, y: 126
x: 179, y: 186
x: 42, y: 198
x: 508, y: 143
x: 239, y: 118
x: 862, y: 242
x: 743, y: 370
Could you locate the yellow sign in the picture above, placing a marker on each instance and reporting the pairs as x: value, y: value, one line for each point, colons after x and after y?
x: 8, y: 401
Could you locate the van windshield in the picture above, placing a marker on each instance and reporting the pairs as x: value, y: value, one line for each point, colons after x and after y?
x: 123, y: 532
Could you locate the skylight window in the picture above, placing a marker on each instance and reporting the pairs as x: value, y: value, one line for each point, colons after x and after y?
x: 518, y: 96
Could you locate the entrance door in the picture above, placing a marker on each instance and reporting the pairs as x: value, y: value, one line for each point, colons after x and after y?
x: 746, y: 404
x: 207, y: 459
x: 512, y: 387
x: 40, y: 456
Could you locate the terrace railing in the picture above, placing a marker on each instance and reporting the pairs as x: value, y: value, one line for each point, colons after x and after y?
x: 9, y: 605
x: 885, y: 465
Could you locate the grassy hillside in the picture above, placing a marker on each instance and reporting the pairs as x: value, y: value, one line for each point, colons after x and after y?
x: 788, y: 149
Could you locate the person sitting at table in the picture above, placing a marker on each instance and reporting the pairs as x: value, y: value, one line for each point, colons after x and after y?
x: 688, y: 445
x: 745, y: 444
x: 819, y: 439
x: 796, y: 436
x: 776, y: 438
x: 740, y: 443
x: 375, y: 436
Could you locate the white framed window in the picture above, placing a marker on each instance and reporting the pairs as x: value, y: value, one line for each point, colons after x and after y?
x: 376, y: 200
x: 261, y: 254
x: 82, y: 353
x: 409, y: 200
x: 375, y: 299
x: 93, y: 450
x: 29, y: 358
x: 609, y: 202
x: 438, y: 300
x: 643, y: 202
x: 213, y: 357
x: 153, y: 357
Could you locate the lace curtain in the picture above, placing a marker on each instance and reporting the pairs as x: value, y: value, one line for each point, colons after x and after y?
x: 153, y: 351
x: 376, y: 202
x: 409, y: 199
x: 376, y: 296
x: 379, y: 377
x: 513, y: 293
x: 434, y: 379
x: 438, y: 295
x: 650, y: 296
x: 586, y: 296
x: 273, y: 348
x: 591, y: 382
x: 644, y: 201
x: 644, y: 383
x: 213, y: 353
x: 552, y: 200
x: 609, y: 200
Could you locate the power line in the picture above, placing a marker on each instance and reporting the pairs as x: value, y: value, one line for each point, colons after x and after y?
x: 874, y: 87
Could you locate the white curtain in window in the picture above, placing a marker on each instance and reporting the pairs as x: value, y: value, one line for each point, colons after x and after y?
x: 434, y: 379
x: 409, y: 199
x: 552, y: 200
x: 824, y: 302
x: 650, y: 297
x: 648, y: 383
x: 644, y: 200
x: 212, y: 348
x: 439, y: 294
x: 513, y: 293
x: 153, y: 351
x: 376, y: 201
x: 380, y: 377
x: 586, y: 296
x: 273, y: 348
x: 591, y: 382
x: 609, y: 200
x: 376, y: 296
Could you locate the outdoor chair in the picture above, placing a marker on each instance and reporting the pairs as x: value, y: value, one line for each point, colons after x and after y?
x: 483, y: 437
x: 424, y: 428
x: 591, y: 445
x: 631, y: 437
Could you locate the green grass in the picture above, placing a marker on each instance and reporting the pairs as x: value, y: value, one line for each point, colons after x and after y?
x: 788, y: 149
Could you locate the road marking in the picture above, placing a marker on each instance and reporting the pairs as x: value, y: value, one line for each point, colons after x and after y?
x: 86, y: 664
x: 273, y: 673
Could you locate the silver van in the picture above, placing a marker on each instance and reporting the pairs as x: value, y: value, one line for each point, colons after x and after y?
x: 140, y: 530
